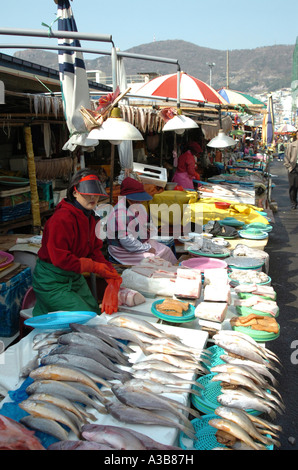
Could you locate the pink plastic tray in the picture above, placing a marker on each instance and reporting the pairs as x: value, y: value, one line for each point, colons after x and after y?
x: 9, y: 259
x: 203, y: 263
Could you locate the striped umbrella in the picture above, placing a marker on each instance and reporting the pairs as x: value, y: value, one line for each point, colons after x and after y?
x: 286, y: 129
x: 74, y: 82
x: 268, y: 124
x: 191, y: 89
x: 237, y: 98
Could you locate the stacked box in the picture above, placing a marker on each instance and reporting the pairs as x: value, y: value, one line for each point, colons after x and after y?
x: 12, y: 293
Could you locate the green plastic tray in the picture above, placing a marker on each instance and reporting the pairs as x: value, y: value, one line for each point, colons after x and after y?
x: 189, y: 315
x: 244, y: 311
x: 259, y: 336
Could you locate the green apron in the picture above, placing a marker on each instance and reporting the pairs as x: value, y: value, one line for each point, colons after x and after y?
x: 56, y: 289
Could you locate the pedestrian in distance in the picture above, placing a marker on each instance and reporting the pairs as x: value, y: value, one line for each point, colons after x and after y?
x: 291, y: 163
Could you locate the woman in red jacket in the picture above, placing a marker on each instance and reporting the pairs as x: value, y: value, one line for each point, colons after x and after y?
x: 186, y: 168
x: 69, y: 249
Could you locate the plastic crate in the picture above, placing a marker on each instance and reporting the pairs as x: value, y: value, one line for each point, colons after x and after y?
x: 12, y: 293
x: 14, y: 212
x: 45, y: 192
x: 151, y: 174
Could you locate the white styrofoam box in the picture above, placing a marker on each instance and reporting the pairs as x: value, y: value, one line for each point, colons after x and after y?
x: 151, y: 174
x: 59, y: 195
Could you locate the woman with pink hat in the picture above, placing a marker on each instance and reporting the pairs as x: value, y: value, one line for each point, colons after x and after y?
x: 128, y: 230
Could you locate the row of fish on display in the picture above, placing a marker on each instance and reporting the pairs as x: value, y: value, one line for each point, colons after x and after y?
x: 87, y: 372
x: 246, y: 374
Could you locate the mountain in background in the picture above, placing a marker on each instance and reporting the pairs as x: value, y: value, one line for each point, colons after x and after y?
x: 264, y: 69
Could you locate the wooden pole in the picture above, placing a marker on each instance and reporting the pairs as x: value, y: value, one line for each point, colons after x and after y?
x: 35, y: 209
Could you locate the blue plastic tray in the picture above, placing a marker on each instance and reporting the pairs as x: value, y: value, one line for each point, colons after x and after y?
x: 59, y: 319
x: 189, y: 315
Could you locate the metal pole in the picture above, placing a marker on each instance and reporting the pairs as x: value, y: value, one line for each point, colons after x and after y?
x: 56, y: 34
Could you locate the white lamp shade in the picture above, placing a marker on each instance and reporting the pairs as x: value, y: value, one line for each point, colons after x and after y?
x: 180, y: 123
x: 221, y: 141
x: 115, y: 130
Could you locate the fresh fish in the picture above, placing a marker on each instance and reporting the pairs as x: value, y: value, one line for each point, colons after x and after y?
x: 240, y: 348
x: 242, y: 338
x: 50, y: 411
x: 242, y: 418
x: 98, y: 333
x: 236, y: 431
x: 133, y: 415
x: 179, y: 345
x: 67, y: 390
x: 86, y: 351
x: 151, y: 444
x: 127, y: 321
x: 158, y: 365
x: 87, y: 364
x: 55, y: 372
x: 259, y: 368
x: 118, y: 438
x: 48, y: 426
x: 165, y: 378
x: 240, y: 369
x: 149, y: 401
x: 264, y: 425
x: 239, y: 380
x: 78, y: 445
x: 91, y: 340
x: 166, y: 349
x: 122, y: 333
x: 245, y: 400
x: 158, y: 388
x: 97, y: 432
x: 61, y: 402
x: 178, y: 362
x: 25, y: 371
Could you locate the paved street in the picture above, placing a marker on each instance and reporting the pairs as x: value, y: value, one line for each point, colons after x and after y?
x: 283, y: 251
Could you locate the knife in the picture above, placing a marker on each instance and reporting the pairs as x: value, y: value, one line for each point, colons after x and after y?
x: 136, y: 312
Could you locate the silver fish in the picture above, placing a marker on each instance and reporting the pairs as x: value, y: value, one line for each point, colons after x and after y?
x: 242, y: 370
x: 55, y: 372
x: 79, y: 445
x: 158, y: 365
x: 50, y: 411
x: 239, y: 380
x: 165, y: 378
x: 88, y: 352
x: 194, y: 366
x: 245, y: 400
x: 158, y: 388
x: 97, y: 432
x: 91, y: 340
x: 240, y: 348
x: 149, y: 401
x: 85, y: 363
x: 45, y: 425
x: 236, y: 431
x: 61, y: 402
x: 242, y: 418
x: 133, y: 415
x: 127, y: 321
x: 259, y: 368
x: 116, y: 437
x: 67, y: 390
x: 98, y: 333
x: 122, y: 333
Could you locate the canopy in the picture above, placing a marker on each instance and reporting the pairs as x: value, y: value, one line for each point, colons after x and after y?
x: 286, y: 129
x: 235, y: 98
x: 191, y: 89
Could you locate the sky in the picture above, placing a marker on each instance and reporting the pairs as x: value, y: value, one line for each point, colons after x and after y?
x: 208, y: 23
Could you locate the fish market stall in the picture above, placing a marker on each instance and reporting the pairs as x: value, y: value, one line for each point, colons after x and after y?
x: 23, y: 355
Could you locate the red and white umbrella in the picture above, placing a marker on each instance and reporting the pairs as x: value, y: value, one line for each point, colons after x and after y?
x: 191, y: 89
x: 286, y: 129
